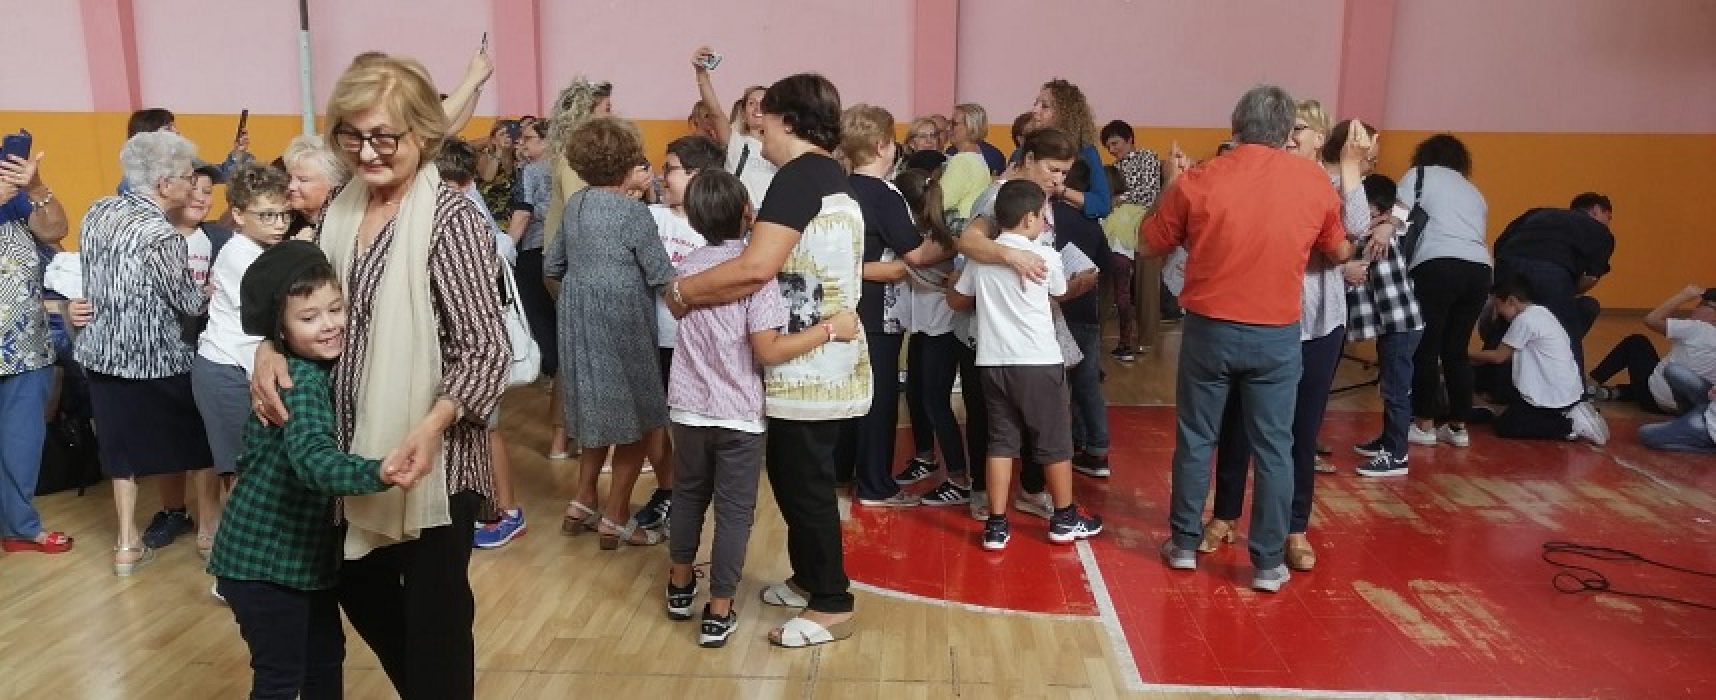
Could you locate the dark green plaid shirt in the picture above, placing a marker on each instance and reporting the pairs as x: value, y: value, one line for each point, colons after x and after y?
x: 278, y: 525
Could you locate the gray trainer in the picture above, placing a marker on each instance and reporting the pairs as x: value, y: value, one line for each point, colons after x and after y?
x: 1270, y: 580
x: 1176, y: 558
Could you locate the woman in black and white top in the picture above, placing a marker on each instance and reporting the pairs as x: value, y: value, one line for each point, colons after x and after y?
x: 742, y: 141
x: 134, y: 349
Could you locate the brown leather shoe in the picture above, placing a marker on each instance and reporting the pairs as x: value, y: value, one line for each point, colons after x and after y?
x: 1300, y: 555
x: 1216, y: 533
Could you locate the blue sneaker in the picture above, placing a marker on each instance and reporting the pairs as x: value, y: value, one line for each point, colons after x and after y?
x: 655, y: 514
x: 495, y: 535
x: 166, y: 526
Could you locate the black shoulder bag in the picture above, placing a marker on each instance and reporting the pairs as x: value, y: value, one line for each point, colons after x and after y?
x: 1416, y: 220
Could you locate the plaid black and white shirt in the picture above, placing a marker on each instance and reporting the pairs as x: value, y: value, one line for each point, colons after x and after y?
x: 1386, y: 302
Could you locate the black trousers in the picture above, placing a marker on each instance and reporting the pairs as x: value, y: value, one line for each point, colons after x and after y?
x: 1320, y: 358
x: 1638, y: 357
x: 800, y: 459
x: 538, y: 307
x: 1523, y: 421
x: 931, y: 364
x: 1451, y: 294
x: 412, y: 604
x: 876, y: 430
x: 295, y: 639
x: 1031, y: 476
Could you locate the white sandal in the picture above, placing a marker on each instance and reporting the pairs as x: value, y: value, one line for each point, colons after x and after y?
x: 782, y: 595
x: 122, y: 569
x: 799, y: 632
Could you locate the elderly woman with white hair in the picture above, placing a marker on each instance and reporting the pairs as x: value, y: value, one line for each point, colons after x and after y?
x: 133, y: 348
x: 315, y: 172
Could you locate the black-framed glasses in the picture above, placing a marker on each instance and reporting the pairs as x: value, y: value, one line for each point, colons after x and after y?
x: 272, y: 217
x: 383, y: 143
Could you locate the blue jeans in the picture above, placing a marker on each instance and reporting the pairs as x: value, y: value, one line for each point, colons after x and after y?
x: 1688, y: 433
x: 1089, y: 409
x: 1690, y: 391
x: 1394, y: 353
x: 23, y: 399
x: 1263, y: 364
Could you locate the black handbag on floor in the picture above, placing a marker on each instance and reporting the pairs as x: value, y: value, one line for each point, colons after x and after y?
x: 69, y: 456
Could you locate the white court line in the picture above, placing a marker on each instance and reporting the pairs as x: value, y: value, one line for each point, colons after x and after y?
x: 1110, y: 621
x: 970, y: 607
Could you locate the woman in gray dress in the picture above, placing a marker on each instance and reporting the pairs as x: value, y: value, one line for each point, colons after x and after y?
x: 610, y: 383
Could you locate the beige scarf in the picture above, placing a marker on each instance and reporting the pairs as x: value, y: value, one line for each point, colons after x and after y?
x: 397, y: 386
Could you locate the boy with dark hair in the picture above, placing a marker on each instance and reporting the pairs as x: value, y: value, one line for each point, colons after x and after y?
x: 1546, y: 403
x: 1024, y: 377
x: 1382, y: 304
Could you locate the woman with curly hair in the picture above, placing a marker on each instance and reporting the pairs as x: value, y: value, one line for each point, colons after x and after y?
x: 1062, y: 105
x: 611, y: 384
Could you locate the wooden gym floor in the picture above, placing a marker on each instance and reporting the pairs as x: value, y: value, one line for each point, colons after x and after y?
x: 1428, y: 584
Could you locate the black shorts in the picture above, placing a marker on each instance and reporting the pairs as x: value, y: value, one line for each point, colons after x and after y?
x: 1028, y: 401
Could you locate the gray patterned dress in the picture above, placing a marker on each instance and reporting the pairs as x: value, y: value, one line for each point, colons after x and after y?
x: 609, y: 376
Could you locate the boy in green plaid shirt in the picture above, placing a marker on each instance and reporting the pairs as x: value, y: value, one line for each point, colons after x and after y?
x: 278, y: 552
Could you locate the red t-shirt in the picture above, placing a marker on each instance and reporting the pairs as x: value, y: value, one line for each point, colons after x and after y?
x: 1248, y: 220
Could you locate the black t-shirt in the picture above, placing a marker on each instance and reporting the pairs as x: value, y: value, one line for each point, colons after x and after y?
x: 887, y: 226
x: 1570, y: 239
x: 1073, y: 228
x: 795, y: 195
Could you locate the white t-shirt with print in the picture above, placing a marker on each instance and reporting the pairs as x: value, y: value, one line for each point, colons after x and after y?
x: 201, y: 255
x: 1543, y: 367
x: 1694, y: 348
x: 679, y: 238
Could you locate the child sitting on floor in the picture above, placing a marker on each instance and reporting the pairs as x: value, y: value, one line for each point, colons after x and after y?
x: 1547, y: 403
x: 278, y: 554
x: 715, y: 400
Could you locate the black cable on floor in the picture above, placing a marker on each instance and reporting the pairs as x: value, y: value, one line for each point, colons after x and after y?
x: 1574, y: 578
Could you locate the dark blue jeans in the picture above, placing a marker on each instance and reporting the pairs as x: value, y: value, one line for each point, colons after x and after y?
x: 1688, y: 433
x: 295, y: 639
x: 875, y: 458
x: 1394, y: 353
x: 23, y: 399
x: 1319, y: 358
x: 1262, y: 364
x: 932, y: 361
x: 1089, y: 408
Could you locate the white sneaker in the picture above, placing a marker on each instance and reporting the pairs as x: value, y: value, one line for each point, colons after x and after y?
x: 1457, y: 437
x: 979, y: 506
x: 214, y: 590
x: 1038, y: 504
x: 1588, y: 424
x: 1418, y: 436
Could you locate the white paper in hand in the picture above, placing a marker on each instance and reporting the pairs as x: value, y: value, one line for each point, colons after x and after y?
x: 65, y: 275
x: 1075, y: 260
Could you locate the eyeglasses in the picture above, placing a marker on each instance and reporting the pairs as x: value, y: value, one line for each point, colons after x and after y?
x: 665, y: 169
x: 350, y: 141
x: 926, y: 134
x: 272, y: 217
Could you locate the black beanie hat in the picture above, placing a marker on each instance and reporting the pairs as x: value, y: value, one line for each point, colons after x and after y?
x: 262, y: 294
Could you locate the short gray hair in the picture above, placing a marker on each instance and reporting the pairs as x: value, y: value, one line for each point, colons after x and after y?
x: 1264, y: 116
x: 311, y: 149
x: 974, y: 118
x: 152, y: 156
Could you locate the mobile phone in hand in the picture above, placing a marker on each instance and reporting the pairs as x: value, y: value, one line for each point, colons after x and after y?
x: 16, y: 145
x: 243, y: 122
x: 711, y: 61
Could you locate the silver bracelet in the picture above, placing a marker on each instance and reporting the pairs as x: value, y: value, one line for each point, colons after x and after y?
x: 45, y: 201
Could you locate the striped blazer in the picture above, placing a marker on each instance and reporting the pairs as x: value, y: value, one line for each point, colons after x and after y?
x: 135, y: 275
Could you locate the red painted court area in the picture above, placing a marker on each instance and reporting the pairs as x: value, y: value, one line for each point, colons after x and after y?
x: 1430, y: 583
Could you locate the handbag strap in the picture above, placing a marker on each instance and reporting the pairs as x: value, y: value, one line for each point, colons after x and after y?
x: 744, y: 155
x: 1418, y: 189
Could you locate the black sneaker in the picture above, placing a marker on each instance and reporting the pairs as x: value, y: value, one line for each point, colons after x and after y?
x: 679, y: 600
x: 1383, y: 465
x: 1123, y: 354
x: 653, y: 516
x: 1072, y: 524
x: 947, y: 494
x: 1091, y: 465
x: 716, y: 630
x: 1369, y: 449
x: 917, y: 469
x: 996, y: 533
x: 166, y: 526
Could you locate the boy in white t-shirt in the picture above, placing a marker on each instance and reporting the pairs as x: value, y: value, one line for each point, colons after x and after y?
x: 1024, y: 376
x: 1674, y: 384
x: 1547, y: 403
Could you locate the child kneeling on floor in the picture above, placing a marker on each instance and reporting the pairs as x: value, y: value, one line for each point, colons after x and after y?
x: 278, y: 554
x: 1547, y: 403
x: 1024, y: 376
x: 715, y: 400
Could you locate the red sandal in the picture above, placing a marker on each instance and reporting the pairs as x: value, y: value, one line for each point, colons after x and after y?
x: 51, y: 543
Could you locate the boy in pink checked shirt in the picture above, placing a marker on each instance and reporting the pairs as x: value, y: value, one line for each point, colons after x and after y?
x: 715, y: 400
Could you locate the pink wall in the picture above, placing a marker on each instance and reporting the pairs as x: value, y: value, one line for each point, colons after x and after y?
x: 1180, y: 63
x: 864, y: 47
x: 1554, y: 65
x: 31, y: 80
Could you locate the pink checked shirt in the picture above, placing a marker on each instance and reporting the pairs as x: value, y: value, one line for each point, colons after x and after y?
x: 714, y: 373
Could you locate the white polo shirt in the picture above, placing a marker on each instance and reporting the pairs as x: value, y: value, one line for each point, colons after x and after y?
x: 1014, y: 324
x: 1543, y: 367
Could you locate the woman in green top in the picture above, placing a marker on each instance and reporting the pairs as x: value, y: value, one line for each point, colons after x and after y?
x: 278, y: 554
